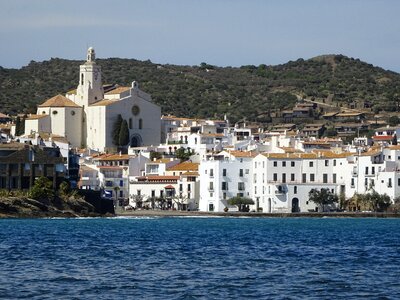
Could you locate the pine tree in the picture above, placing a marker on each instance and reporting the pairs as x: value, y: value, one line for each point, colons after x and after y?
x: 116, y: 130
x: 124, y: 134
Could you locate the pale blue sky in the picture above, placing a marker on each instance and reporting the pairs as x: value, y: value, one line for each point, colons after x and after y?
x: 219, y: 32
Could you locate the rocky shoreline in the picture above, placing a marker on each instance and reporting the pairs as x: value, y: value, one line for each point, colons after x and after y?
x: 16, y: 207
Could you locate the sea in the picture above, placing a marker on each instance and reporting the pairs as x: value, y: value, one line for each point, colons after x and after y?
x: 200, y: 258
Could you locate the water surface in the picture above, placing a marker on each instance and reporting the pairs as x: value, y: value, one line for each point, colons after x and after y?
x: 200, y: 258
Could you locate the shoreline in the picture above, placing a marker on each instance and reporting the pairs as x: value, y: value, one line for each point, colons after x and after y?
x: 168, y: 213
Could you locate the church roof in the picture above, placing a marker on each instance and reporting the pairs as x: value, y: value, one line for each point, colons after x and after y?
x: 35, y: 117
x: 104, y: 102
x: 118, y: 90
x: 59, y: 101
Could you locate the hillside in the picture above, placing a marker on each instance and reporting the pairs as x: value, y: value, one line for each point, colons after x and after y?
x: 249, y: 92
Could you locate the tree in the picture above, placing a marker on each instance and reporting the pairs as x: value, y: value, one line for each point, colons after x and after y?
x: 123, y: 134
x: 377, y: 201
x: 64, y: 189
x: 240, y: 202
x: 322, y: 197
x: 19, y: 127
x: 138, y: 199
x: 155, y: 155
x: 42, y: 189
x: 116, y: 130
x: 393, y: 120
x: 183, y: 154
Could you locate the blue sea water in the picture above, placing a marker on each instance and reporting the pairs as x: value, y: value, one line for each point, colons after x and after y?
x: 200, y: 258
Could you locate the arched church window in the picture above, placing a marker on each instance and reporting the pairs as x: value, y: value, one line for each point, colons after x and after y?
x: 130, y: 123
x: 140, y: 123
x: 55, y: 112
x: 135, y: 110
x: 81, y: 79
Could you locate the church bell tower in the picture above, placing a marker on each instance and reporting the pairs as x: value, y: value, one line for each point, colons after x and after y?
x: 90, y: 88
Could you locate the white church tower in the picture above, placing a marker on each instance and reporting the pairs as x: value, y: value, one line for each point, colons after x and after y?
x: 90, y: 88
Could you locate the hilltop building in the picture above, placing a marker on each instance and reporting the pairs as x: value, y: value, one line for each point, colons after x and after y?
x: 86, y: 115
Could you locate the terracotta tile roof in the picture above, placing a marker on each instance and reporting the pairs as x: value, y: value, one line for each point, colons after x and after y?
x: 169, y: 187
x: 185, y: 166
x: 393, y: 147
x: 3, y: 116
x: 382, y: 137
x: 118, y: 90
x: 290, y: 150
x: 238, y: 153
x: 36, y: 117
x: 161, y: 161
x: 104, y: 102
x: 157, y: 178
x: 59, y: 101
x: 190, y: 174
x: 114, y: 157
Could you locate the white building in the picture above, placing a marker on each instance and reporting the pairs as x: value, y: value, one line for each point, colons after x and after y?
x: 86, y: 116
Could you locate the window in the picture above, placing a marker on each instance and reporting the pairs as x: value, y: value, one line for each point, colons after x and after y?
x: 138, y: 192
x: 81, y: 79
x: 292, y: 163
x: 211, y: 172
x: 304, y: 179
x: 130, y: 123
x: 352, y: 182
x: 284, y: 177
x: 241, y: 186
x: 224, y: 186
x: 275, y: 163
x: 390, y: 182
x: 264, y: 164
x: 326, y: 162
x: 284, y: 164
x: 161, y: 194
x: 246, y: 171
x: 224, y: 195
x: 334, y: 162
x: 312, y: 177
x: 292, y: 177
x: 54, y: 112
x: 210, y: 207
x: 211, y: 186
x: 180, y: 187
x: 223, y: 172
x: 275, y: 177
x: 295, y: 190
x: 72, y: 113
x: 140, y: 123
x: 121, y: 183
x: 334, y: 178
x: 311, y: 164
x: 241, y: 172
x: 239, y: 194
x: 153, y: 193
x: 121, y: 193
x: 372, y: 170
x: 325, y: 178
x: 366, y: 170
x: 398, y: 181
x: 255, y: 165
x: 189, y: 187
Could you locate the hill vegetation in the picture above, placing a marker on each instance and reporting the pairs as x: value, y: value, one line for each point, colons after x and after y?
x: 248, y: 92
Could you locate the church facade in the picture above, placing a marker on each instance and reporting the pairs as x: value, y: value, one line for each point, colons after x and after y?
x: 86, y: 116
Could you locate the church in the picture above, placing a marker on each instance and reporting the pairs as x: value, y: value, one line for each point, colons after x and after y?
x: 87, y: 115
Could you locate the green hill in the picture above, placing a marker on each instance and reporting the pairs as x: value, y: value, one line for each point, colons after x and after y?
x: 250, y: 92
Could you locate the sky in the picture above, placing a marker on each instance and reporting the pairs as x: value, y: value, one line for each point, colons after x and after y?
x: 188, y: 32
